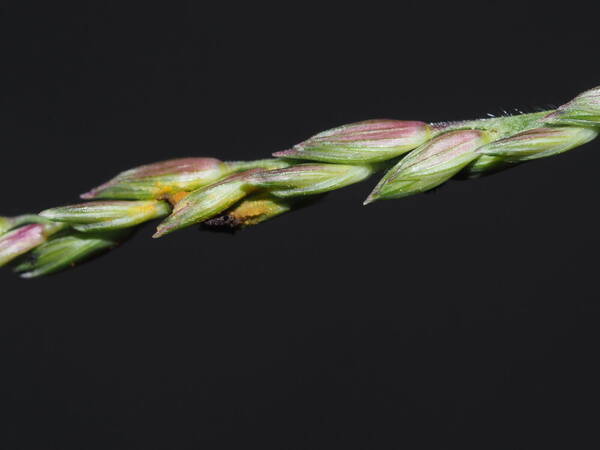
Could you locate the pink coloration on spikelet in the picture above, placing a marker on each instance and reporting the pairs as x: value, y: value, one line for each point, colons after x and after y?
x: 20, y: 241
x: 172, y: 166
x: 447, y: 147
x: 165, y: 177
x: 368, y: 141
x: 370, y: 130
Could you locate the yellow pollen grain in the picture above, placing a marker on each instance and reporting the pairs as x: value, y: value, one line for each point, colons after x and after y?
x: 177, y: 197
x: 251, y: 209
x: 250, y: 213
x: 162, y: 189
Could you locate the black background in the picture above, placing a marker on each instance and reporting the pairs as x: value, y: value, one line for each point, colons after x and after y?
x: 465, y: 318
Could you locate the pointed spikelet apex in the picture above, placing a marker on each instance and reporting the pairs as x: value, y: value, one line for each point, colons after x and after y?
x: 361, y: 142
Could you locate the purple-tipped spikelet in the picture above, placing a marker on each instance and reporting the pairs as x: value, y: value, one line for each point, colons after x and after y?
x: 23, y: 239
x: 527, y: 145
x: 159, y: 180
x: 430, y: 165
x: 20, y: 241
x: 538, y: 143
x: 361, y: 142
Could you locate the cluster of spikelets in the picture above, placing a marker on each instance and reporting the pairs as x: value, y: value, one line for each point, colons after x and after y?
x: 415, y: 157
